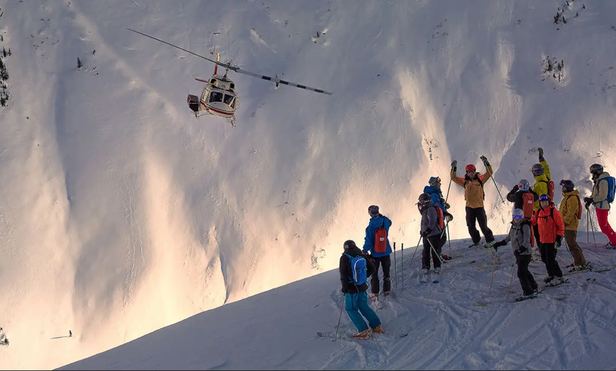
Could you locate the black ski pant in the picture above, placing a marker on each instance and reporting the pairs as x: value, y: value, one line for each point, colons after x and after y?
x: 526, y: 278
x: 385, y: 262
x: 478, y: 215
x: 548, y: 257
x: 437, y: 243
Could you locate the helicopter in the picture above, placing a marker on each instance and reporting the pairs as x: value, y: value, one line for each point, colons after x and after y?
x: 219, y: 96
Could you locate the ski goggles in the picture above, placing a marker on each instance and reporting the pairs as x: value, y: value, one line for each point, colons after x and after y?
x: 544, y: 198
x: 518, y: 217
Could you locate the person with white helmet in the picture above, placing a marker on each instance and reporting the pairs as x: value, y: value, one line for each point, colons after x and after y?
x: 602, y: 196
x: 519, y: 236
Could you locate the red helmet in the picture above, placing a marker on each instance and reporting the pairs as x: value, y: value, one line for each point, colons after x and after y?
x: 470, y: 167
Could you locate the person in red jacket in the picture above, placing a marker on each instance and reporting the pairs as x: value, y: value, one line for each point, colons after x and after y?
x: 551, y: 228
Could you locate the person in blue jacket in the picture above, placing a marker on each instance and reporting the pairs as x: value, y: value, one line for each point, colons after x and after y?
x: 382, y: 259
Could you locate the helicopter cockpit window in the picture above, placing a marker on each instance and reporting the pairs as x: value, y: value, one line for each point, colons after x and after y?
x: 216, y: 96
x: 228, y: 99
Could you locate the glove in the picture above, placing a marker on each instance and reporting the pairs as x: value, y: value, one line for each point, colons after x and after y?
x: 541, y: 159
x: 515, y: 188
x: 587, y: 202
x: 454, y: 166
x: 559, y: 241
x: 499, y: 244
x: 343, y: 291
x: 426, y: 232
x: 447, y: 206
x: 485, y: 160
x: 448, y: 217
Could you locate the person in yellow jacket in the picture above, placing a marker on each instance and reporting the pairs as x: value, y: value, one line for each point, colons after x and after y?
x: 570, y: 208
x: 541, y: 172
x: 474, y: 195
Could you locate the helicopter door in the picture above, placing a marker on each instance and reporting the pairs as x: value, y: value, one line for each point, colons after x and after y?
x: 228, y: 98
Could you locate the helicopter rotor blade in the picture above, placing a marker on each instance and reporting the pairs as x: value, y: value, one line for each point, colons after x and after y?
x: 175, y: 46
x: 237, y: 69
x: 279, y: 81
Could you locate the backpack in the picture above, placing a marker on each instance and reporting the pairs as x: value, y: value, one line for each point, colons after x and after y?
x: 550, y: 184
x: 611, y: 188
x: 528, y: 201
x: 380, y: 239
x: 359, y: 269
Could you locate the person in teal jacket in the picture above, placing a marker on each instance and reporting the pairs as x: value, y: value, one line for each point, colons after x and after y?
x: 383, y: 259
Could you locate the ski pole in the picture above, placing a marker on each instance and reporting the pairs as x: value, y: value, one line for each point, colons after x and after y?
x: 434, y: 250
x: 492, y: 177
x: 339, y: 318
x: 395, y: 267
x: 592, y: 228
x: 449, y: 240
x: 493, y: 269
x: 511, y: 280
x: 448, y: 188
x: 416, y: 248
x: 587, y: 223
x: 402, y: 259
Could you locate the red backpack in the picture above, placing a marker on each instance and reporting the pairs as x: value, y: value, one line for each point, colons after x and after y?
x: 550, y: 184
x: 380, y: 239
x: 439, y: 215
x: 528, y: 201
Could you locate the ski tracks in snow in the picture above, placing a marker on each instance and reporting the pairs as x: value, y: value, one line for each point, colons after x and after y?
x: 440, y: 326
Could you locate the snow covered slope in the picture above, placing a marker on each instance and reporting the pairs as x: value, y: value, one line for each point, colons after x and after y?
x: 455, y: 324
x: 120, y: 213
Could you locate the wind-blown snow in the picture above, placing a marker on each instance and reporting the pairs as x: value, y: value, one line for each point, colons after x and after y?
x: 121, y: 214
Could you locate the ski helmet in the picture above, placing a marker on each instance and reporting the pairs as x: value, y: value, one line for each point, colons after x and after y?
x: 596, y: 169
x: 567, y: 185
x: 434, y: 181
x: 523, y: 185
x: 518, y: 214
x: 424, y: 199
x: 349, y: 244
x: 537, y: 169
x: 373, y: 210
x: 470, y: 167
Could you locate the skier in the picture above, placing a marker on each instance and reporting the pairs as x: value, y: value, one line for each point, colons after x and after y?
x: 354, y: 287
x: 521, y: 192
x: 542, y: 186
x: 571, y: 211
x: 431, y: 228
x: 474, y: 195
x: 379, y: 249
x: 519, y: 236
x: 551, y: 229
x: 600, y: 198
x: 436, y: 195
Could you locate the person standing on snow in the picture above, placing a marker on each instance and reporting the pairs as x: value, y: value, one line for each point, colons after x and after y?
x: 433, y: 189
x: 379, y: 251
x: 570, y: 210
x: 474, y: 195
x: 431, y: 229
x: 516, y: 195
x: 519, y: 236
x: 355, y: 297
x: 599, y: 199
x: 551, y: 228
x: 541, y: 172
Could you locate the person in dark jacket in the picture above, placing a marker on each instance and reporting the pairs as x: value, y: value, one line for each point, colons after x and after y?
x: 355, y: 297
x: 516, y: 195
x: 431, y: 232
x: 380, y: 259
